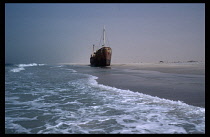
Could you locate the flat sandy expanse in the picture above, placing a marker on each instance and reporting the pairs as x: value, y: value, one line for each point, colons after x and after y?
x: 183, y: 82
x: 179, y: 68
x: 174, y: 81
x: 197, y: 68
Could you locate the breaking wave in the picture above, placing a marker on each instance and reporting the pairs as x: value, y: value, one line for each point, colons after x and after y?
x: 30, y: 65
x: 158, y: 112
x: 22, y: 66
x: 72, y: 102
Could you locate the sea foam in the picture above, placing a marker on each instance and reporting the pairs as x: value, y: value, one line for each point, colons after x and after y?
x: 77, y: 103
x: 22, y: 67
x: 17, y: 69
x: 155, y: 114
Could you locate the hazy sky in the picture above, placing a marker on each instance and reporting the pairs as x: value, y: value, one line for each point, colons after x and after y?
x: 65, y: 33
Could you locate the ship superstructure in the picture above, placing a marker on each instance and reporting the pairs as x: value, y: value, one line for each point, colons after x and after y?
x: 102, y: 56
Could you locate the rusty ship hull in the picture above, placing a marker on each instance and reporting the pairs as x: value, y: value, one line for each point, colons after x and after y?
x: 101, y: 57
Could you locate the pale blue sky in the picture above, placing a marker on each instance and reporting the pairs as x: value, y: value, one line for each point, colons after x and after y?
x: 65, y: 33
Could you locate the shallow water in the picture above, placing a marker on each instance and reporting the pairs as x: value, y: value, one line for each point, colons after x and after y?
x: 45, y: 99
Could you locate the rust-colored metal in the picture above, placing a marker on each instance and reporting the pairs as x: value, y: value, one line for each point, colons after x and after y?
x: 101, y: 57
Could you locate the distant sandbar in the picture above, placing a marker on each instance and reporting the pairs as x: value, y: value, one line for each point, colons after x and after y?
x: 197, y: 68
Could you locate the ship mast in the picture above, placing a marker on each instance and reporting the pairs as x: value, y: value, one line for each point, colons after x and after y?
x: 93, y: 48
x: 103, y: 37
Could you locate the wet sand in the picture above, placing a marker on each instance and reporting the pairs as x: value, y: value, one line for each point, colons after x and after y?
x: 183, y: 82
x: 175, y: 81
x: 178, y: 68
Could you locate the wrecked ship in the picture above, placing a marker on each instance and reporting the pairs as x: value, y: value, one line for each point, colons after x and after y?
x: 102, y: 56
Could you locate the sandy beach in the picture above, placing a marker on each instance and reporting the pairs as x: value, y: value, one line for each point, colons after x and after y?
x: 178, y: 68
x: 161, y: 80
x: 174, y: 81
x: 120, y: 99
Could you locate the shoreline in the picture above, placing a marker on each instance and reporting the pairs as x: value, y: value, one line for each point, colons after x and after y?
x: 195, y: 68
x: 183, y: 82
x: 129, y: 78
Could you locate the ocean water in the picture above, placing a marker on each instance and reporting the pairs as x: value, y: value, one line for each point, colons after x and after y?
x: 43, y: 99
